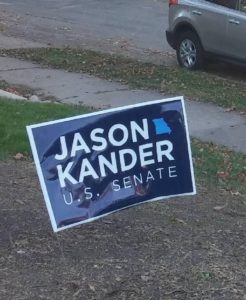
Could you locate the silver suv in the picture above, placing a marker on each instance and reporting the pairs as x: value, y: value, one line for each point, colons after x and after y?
x: 202, y: 28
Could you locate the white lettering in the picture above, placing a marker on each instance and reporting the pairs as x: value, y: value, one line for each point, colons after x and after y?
x: 143, y: 155
x: 98, y: 139
x: 144, y: 132
x: 160, y: 172
x: 116, y: 186
x: 87, y: 170
x: 127, y: 182
x: 132, y: 154
x: 164, y: 152
x: 138, y: 179
x: 88, y: 193
x: 150, y: 177
x: 79, y: 145
x: 64, y: 175
x: 114, y: 129
x: 172, y: 171
x: 64, y: 151
x: 68, y: 201
x: 111, y: 165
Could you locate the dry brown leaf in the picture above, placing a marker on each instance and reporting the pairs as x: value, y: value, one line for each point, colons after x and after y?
x: 223, y: 174
x: 233, y: 108
x: 19, y: 156
x: 218, y: 208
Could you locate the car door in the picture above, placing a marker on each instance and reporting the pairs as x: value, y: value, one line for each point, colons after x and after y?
x: 210, y: 20
x: 236, y: 31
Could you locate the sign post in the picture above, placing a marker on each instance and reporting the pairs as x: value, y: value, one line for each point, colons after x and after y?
x: 98, y: 163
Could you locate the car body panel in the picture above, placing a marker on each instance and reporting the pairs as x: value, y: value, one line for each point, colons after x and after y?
x: 236, y: 35
x: 220, y: 29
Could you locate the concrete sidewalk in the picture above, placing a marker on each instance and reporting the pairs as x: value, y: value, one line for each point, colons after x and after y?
x: 206, y: 122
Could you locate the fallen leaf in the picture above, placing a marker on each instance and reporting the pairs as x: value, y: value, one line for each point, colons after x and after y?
x: 235, y: 194
x: 92, y: 287
x: 145, y: 278
x: 218, y: 208
x: 223, y: 174
x: 233, y: 108
x: 20, y: 251
x: 181, y: 221
x: 19, y: 156
x: 12, y: 91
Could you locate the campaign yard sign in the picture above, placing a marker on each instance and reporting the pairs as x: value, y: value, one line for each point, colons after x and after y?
x: 98, y: 163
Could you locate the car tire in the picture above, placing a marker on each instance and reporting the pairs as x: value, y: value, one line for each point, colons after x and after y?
x: 190, y: 54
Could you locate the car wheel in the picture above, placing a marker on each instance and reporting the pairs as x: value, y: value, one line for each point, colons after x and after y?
x: 189, y: 51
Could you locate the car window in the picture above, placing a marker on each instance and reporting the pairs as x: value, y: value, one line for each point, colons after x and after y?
x: 243, y: 5
x: 227, y: 3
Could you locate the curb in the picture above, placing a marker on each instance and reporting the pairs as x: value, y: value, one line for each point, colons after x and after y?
x: 11, y: 95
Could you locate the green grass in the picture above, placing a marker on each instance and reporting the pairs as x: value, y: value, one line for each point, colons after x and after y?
x: 14, y: 116
x: 199, y: 86
x: 219, y: 166
x: 214, y: 166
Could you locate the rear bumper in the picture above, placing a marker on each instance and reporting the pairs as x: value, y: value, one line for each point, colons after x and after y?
x: 171, y: 39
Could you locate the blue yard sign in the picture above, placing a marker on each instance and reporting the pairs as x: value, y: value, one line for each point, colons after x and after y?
x: 95, y: 164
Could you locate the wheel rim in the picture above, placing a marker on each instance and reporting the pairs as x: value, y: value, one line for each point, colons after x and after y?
x: 187, y: 53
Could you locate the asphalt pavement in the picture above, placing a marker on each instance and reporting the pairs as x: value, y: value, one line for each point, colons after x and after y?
x: 133, y: 28
x: 206, y: 121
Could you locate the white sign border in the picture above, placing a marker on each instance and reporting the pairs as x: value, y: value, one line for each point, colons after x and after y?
x: 41, y: 176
